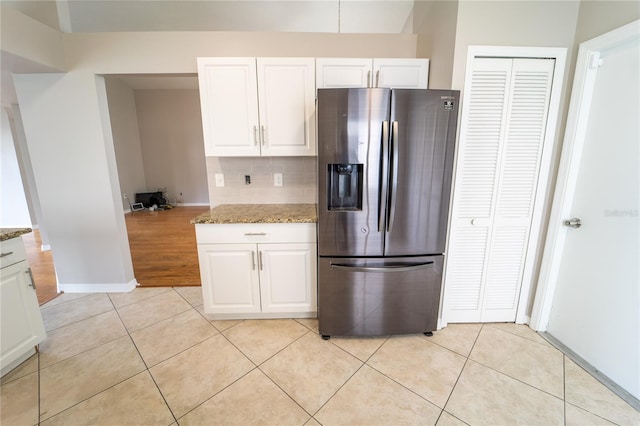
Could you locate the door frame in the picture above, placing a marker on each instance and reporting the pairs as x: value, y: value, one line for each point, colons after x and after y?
x: 559, y: 54
x: 577, y: 120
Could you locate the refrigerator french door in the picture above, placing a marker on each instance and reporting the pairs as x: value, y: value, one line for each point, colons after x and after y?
x: 384, y: 179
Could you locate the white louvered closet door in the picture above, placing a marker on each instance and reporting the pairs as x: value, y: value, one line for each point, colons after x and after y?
x: 501, y: 140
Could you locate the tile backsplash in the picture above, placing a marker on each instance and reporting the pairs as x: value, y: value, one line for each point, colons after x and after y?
x: 298, y: 176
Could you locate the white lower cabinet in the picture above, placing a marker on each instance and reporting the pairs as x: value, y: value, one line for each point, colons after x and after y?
x: 22, y: 328
x: 258, y: 270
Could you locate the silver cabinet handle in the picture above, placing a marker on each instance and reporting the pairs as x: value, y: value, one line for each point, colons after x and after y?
x: 378, y: 78
x: 402, y: 268
x: 32, y: 283
x: 369, y: 78
x: 253, y: 259
x: 260, y: 261
x: 262, y: 134
x: 250, y: 234
x: 573, y: 223
x: 9, y: 253
x: 255, y: 135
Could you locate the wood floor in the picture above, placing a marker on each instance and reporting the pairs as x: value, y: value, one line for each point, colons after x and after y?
x: 163, y: 247
x: 163, y: 251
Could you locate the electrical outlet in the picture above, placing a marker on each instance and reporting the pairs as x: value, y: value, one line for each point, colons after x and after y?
x: 125, y: 196
x: 247, y: 179
x: 219, y: 179
x: 277, y: 179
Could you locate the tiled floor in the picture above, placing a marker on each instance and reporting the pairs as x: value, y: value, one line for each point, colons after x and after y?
x: 150, y: 357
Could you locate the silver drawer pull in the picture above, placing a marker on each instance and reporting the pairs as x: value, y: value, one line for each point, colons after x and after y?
x: 32, y: 283
x: 9, y: 253
x: 252, y: 234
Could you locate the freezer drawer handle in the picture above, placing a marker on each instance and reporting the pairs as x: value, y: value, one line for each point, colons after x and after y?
x: 9, y: 253
x: 406, y: 268
x: 251, y: 234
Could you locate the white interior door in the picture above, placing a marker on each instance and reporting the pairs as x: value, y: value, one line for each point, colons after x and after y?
x: 596, y: 304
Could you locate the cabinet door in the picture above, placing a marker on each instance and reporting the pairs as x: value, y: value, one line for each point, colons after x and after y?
x: 343, y: 72
x: 401, y: 73
x: 286, y: 94
x: 229, y: 278
x: 229, y: 103
x: 22, y: 326
x: 288, y: 277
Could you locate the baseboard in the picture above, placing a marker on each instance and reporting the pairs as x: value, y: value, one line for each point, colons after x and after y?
x: 98, y: 288
x: 45, y: 247
x: 610, y: 384
x: 192, y: 204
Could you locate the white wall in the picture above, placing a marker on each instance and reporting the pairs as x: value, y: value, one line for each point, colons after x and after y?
x: 15, y: 211
x: 74, y: 168
x: 172, y: 144
x: 126, y: 138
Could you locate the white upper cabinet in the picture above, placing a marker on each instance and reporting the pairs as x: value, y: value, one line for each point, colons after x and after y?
x: 253, y: 107
x: 229, y: 103
x: 343, y: 72
x: 395, y: 73
x: 287, y: 102
x: 401, y: 73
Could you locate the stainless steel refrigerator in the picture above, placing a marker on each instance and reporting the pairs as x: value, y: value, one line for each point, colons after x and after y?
x: 385, y: 161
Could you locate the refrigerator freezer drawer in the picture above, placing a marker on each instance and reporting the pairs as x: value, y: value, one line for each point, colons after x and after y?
x: 378, y: 296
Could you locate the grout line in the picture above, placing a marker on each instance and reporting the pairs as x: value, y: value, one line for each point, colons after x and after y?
x: 462, y: 369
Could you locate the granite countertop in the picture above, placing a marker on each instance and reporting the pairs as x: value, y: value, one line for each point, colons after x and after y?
x: 259, y: 213
x: 8, y: 233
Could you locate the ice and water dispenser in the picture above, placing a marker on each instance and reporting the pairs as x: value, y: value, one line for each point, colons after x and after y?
x: 345, y: 187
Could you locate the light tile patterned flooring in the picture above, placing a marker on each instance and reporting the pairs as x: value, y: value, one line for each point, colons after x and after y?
x: 150, y: 357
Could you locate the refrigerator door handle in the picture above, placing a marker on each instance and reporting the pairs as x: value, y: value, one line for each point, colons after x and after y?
x: 394, y: 177
x: 382, y: 193
x: 384, y: 269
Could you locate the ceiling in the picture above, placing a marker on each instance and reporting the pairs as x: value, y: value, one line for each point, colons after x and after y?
x: 85, y: 16
x: 345, y: 16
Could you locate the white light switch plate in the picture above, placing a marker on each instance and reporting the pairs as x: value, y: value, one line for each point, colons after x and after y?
x: 277, y: 179
x: 219, y: 179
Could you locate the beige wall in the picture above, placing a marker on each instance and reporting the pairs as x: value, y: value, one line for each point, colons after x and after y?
x: 172, y: 143
x: 599, y: 17
x: 298, y: 175
x: 435, y: 24
x: 175, y: 52
x: 29, y: 39
x: 126, y: 139
x: 512, y: 23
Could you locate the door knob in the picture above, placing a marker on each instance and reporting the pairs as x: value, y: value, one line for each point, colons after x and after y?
x: 573, y: 223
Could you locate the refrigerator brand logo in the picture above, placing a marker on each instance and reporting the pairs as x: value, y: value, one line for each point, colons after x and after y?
x: 448, y: 105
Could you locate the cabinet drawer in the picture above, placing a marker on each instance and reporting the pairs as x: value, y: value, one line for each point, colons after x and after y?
x: 256, y: 233
x: 12, y: 252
